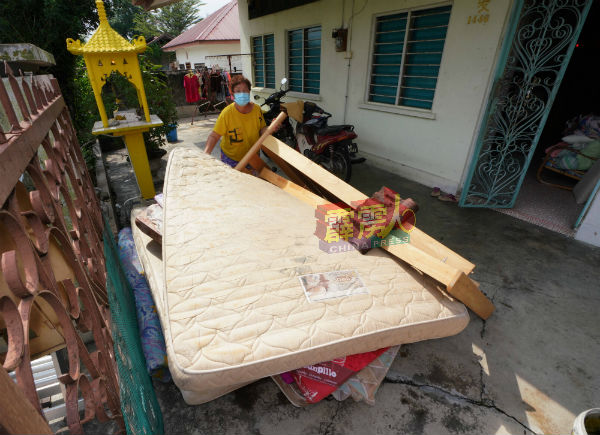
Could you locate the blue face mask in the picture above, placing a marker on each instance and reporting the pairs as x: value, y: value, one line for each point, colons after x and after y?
x: 242, y: 98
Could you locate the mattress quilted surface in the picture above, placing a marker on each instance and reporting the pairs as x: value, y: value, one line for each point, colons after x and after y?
x: 234, y: 309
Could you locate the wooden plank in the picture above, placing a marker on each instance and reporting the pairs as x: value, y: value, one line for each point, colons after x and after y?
x: 467, y: 291
x: 147, y: 227
x: 256, y: 162
x: 292, y: 188
x: 18, y: 415
x: 426, y: 264
x: 422, y: 261
x: 457, y: 283
x: 320, y: 175
x: 272, y: 128
x: 287, y: 169
x: 347, y: 194
x: 426, y: 243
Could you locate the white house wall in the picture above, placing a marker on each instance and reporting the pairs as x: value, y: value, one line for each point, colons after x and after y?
x: 431, y: 151
x: 589, y: 231
x: 197, y: 54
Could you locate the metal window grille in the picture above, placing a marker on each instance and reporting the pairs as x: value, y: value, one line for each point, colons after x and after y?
x: 304, y: 60
x: 263, y: 52
x: 407, y: 53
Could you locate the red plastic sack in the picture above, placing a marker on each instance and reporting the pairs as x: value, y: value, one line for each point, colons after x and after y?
x: 320, y: 380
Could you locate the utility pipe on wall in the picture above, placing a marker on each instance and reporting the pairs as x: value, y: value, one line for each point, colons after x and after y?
x: 348, y: 54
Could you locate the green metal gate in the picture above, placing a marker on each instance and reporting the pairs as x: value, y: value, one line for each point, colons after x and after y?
x: 538, y: 45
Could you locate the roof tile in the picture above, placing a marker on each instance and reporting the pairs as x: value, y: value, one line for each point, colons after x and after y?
x: 221, y: 25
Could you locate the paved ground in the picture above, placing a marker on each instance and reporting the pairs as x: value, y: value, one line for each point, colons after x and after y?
x: 529, y: 368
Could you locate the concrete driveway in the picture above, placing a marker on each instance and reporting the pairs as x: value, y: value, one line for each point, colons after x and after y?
x: 529, y: 368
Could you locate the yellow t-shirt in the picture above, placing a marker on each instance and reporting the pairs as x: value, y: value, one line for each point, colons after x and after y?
x: 239, y: 131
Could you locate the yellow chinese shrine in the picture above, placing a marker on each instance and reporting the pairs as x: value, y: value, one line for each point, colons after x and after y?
x: 107, y: 52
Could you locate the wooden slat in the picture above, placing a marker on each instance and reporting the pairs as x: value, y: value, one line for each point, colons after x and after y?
x: 17, y: 415
x: 148, y: 227
x: 256, y: 162
x: 292, y: 188
x: 430, y: 262
x: 320, y: 175
x: 287, y: 170
x: 428, y: 244
x: 348, y: 194
x: 424, y: 262
x: 272, y: 128
x: 467, y: 291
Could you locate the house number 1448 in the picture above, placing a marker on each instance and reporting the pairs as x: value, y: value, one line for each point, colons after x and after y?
x: 482, y: 11
x: 483, y: 18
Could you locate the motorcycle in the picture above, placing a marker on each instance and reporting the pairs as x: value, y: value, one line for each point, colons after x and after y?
x: 330, y: 146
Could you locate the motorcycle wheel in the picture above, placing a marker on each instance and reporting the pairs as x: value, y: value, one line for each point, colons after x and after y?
x: 339, y: 166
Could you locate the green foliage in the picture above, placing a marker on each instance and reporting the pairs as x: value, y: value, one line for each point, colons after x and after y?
x: 171, y: 20
x: 160, y: 100
x: 89, y: 158
x: 121, y: 14
x: 47, y: 23
x: 155, y: 55
x: 85, y: 112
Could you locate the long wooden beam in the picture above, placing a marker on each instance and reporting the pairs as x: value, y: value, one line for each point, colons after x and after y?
x: 422, y: 252
x: 272, y: 128
x: 348, y: 194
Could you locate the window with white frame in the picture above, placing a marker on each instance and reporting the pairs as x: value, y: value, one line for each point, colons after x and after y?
x: 406, y: 57
x: 304, y: 60
x: 263, y: 55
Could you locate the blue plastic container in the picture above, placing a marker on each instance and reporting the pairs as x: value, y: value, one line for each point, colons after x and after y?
x: 172, y: 133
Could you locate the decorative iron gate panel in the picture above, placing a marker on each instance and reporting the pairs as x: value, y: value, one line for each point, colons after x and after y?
x: 535, y: 56
x: 52, y: 268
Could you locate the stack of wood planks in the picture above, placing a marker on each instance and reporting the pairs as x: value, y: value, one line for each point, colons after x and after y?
x: 316, y: 186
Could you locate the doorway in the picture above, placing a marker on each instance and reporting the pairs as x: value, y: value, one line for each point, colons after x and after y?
x: 546, y: 197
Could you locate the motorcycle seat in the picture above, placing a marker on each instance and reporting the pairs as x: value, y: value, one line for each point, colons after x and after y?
x: 332, y: 129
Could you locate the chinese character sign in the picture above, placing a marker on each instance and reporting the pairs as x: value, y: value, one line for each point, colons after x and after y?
x: 382, y: 220
x: 483, y: 13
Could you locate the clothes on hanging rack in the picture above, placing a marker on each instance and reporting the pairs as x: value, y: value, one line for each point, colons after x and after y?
x: 191, y: 84
x: 205, y: 83
x: 215, y: 84
x: 226, y: 83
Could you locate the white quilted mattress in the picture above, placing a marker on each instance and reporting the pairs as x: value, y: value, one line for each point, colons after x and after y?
x: 232, y: 307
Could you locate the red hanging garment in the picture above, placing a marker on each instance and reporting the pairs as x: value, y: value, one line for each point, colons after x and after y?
x: 191, y: 85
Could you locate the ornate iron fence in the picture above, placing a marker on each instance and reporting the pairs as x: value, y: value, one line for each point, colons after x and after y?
x: 52, y: 269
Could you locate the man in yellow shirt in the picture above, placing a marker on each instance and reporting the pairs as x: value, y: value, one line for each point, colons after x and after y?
x: 240, y: 124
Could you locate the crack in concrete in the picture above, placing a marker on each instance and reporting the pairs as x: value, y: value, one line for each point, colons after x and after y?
x: 481, y: 383
x: 483, y: 325
x: 485, y: 403
x: 328, y: 428
x: 483, y: 321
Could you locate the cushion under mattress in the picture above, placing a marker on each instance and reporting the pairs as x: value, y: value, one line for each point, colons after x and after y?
x: 233, y: 308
